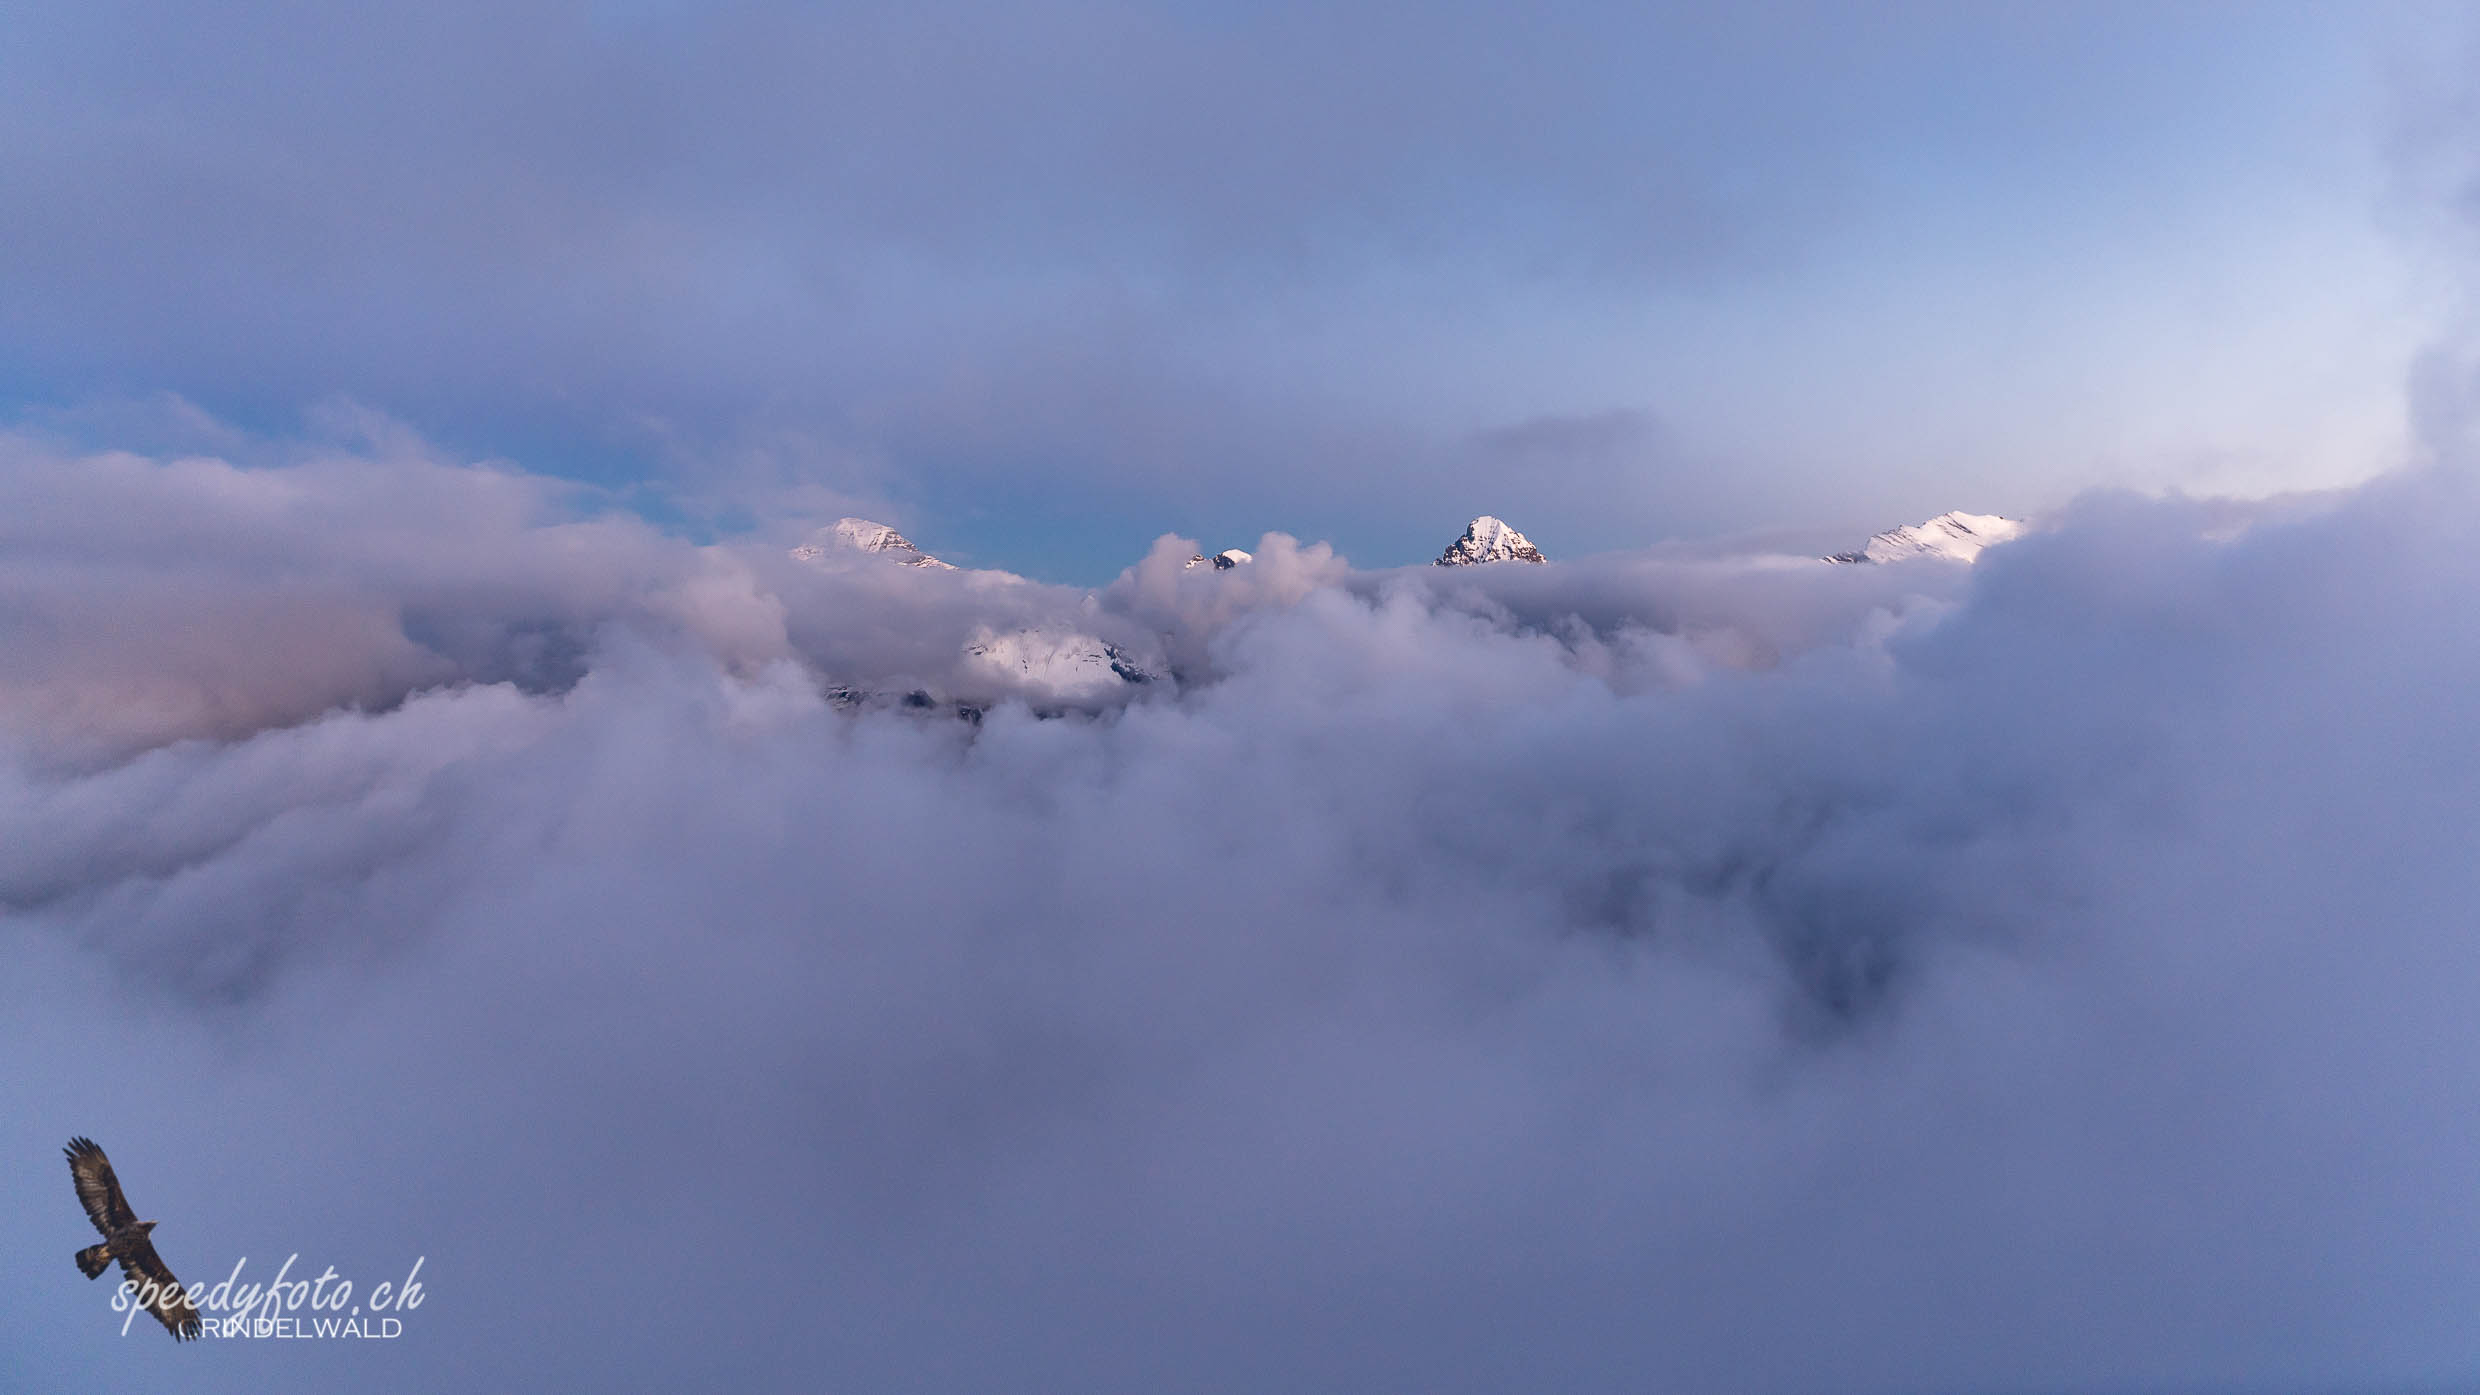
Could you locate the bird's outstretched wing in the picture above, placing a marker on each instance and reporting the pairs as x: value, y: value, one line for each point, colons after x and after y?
x: 160, y: 1291
x: 98, y: 1190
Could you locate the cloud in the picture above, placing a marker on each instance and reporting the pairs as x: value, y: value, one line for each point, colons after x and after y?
x: 1236, y: 267
x: 1656, y: 971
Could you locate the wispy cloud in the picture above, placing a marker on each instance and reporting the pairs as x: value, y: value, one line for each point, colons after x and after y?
x: 1105, y: 265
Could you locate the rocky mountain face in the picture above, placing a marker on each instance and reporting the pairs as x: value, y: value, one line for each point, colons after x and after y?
x: 862, y: 535
x: 1060, y: 665
x: 1063, y: 664
x: 1951, y: 537
x: 1488, y: 539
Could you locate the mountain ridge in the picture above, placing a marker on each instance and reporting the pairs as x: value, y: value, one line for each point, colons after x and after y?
x: 1950, y: 537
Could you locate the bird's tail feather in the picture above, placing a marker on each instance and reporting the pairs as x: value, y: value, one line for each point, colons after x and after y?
x: 94, y: 1259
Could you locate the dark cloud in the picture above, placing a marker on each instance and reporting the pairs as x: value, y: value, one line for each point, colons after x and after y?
x: 1653, y: 971
x: 1106, y: 264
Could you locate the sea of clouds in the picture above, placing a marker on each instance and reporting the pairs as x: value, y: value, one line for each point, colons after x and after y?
x: 1645, y: 972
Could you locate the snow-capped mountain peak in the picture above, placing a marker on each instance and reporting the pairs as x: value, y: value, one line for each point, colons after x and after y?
x: 1222, y: 561
x: 1056, y: 662
x: 1488, y: 539
x: 1952, y: 537
x: 862, y: 535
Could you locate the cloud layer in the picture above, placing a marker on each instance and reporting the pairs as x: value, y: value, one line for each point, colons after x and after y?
x: 1657, y: 972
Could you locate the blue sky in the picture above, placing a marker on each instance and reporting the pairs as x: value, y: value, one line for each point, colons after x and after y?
x: 1041, y: 282
x: 1691, y: 968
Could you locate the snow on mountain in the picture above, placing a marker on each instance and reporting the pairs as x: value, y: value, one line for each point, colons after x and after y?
x: 1057, y: 664
x: 1222, y: 561
x: 957, y: 650
x: 1951, y: 537
x: 862, y: 535
x: 1487, y: 539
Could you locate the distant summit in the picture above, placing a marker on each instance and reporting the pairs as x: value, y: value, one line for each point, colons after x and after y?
x: 861, y: 535
x: 1951, y: 537
x: 1056, y: 663
x: 1222, y: 561
x: 1487, y: 539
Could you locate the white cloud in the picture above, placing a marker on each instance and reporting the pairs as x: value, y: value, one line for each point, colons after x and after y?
x: 1635, y: 973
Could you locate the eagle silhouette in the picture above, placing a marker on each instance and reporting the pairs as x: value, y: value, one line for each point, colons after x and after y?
x: 125, y: 1239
